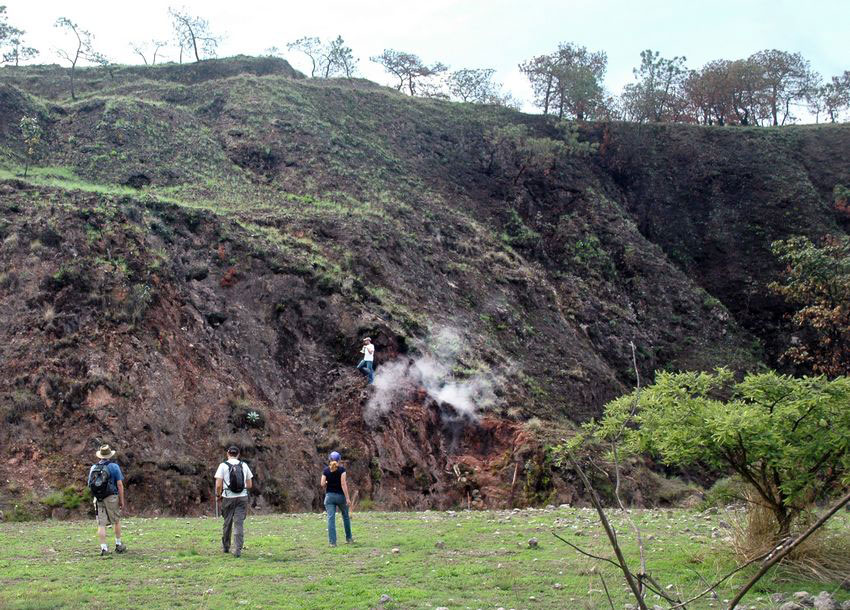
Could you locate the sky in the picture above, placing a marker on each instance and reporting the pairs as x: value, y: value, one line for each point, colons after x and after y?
x: 495, y: 34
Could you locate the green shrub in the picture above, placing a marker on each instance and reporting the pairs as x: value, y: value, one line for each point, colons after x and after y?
x: 70, y: 498
x: 725, y: 491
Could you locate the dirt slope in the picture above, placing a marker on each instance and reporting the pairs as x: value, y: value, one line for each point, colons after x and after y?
x: 275, y: 220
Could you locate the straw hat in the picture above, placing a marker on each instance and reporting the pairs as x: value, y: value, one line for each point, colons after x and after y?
x: 105, y: 452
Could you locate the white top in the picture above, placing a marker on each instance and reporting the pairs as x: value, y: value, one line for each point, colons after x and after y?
x: 368, y: 352
x: 223, y: 473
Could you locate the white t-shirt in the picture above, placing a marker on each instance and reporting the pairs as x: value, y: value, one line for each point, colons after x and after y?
x: 368, y: 352
x: 223, y: 473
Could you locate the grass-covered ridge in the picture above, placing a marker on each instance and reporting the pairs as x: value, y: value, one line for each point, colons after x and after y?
x: 455, y: 560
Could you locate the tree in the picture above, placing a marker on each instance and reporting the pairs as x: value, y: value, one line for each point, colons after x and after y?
x: 786, y: 437
x: 787, y: 78
x: 193, y: 34
x: 411, y: 71
x: 746, y: 85
x: 311, y: 46
x: 13, y: 49
x: 710, y: 92
x: 339, y: 59
x: 148, y: 49
x: 569, y: 81
x: 657, y: 95
x: 81, y: 47
x: 835, y: 95
x: 473, y: 85
x: 817, y: 282
x: 31, y: 133
x: 328, y: 60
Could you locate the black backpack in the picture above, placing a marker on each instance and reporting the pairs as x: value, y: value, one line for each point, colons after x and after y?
x: 236, y: 477
x: 99, y: 481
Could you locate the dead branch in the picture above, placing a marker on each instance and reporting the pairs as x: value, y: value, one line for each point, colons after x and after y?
x: 609, y: 531
x: 585, y: 553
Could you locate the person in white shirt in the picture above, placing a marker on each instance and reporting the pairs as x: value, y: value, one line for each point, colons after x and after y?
x: 233, y: 479
x: 366, y: 365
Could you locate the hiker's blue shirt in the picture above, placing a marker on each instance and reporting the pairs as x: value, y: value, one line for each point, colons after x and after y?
x: 115, y: 475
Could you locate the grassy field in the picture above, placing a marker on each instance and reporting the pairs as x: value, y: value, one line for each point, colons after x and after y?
x: 421, y: 560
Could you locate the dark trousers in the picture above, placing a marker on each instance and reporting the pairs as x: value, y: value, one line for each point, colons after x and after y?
x: 234, y: 511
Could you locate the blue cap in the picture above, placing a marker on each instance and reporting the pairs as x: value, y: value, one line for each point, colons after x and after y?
x: 335, y: 456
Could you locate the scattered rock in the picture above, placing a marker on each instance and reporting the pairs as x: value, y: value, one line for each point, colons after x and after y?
x: 804, y: 598
x: 777, y: 598
x: 825, y: 601
x: 724, y: 525
x: 791, y: 606
x: 440, y: 544
x: 558, y: 586
x: 441, y: 608
x: 845, y: 605
x: 532, y: 543
x: 396, y: 550
x: 385, y: 599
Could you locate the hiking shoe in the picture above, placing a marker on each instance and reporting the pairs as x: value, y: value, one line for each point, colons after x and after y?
x: 333, y: 546
x: 104, y: 553
x: 226, y: 550
x: 349, y: 541
x: 120, y: 548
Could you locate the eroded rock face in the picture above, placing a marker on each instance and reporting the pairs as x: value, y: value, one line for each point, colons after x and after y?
x: 171, y: 332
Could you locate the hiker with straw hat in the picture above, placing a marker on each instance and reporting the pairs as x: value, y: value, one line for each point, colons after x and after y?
x: 106, y: 482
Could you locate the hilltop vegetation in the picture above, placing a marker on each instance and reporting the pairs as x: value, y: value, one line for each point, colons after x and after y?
x: 196, y: 242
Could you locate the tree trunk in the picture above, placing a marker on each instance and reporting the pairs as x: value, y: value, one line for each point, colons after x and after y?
x: 195, y: 46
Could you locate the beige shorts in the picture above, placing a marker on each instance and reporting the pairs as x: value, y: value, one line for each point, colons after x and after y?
x: 108, y: 512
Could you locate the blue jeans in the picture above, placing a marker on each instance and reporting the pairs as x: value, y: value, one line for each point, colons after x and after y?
x: 367, y: 369
x: 332, y: 500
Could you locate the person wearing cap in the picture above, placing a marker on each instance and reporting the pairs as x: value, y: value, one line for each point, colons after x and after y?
x: 234, y: 504
x: 108, y: 510
x: 367, y: 364
x: 335, y: 484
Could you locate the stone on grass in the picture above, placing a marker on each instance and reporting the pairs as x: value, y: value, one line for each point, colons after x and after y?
x: 804, y: 598
x: 558, y: 586
x: 777, y: 598
x: 532, y: 543
x: 385, y: 599
x: 396, y: 550
x: 440, y: 544
x: 846, y: 605
x: 791, y: 606
x: 824, y: 601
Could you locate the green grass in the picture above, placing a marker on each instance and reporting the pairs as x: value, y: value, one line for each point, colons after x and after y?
x: 485, y: 563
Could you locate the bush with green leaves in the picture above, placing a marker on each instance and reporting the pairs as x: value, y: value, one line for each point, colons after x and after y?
x: 788, y: 438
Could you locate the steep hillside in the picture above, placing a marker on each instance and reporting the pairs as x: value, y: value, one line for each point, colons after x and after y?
x: 201, y: 249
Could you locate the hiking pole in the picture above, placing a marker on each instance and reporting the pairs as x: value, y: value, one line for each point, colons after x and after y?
x: 216, y: 505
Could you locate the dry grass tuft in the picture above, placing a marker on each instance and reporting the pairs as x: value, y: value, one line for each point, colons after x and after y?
x: 824, y: 556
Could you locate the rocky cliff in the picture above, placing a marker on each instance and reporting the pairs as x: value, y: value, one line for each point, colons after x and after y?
x: 200, y: 249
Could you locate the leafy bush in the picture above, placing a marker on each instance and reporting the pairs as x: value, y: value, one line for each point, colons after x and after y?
x: 70, y: 498
x: 787, y: 437
x: 725, y: 491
